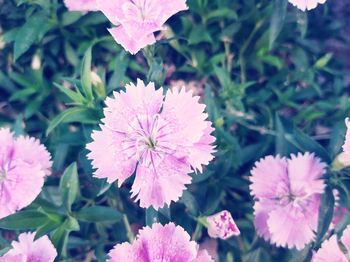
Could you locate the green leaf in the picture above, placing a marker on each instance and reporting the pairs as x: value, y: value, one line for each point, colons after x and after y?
x: 306, y: 143
x: 325, y: 214
x: 69, y: 186
x: 74, y: 96
x: 86, y: 81
x: 99, y: 214
x: 75, y: 114
x: 277, y: 20
x: 35, y: 26
x: 23, y: 220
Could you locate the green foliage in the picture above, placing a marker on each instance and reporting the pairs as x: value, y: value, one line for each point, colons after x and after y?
x: 271, y: 79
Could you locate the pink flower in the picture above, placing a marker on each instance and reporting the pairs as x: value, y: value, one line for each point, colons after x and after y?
x: 330, y: 250
x: 28, y: 250
x: 211, y: 246
x: 222, y: 225
x: 346, y: 146
x: 24, y: 163
x: 162, y: 139
x: 137, y: 20
x: 306, y: 4
x: 81, y: 5
x: 287, y: 198
x: 160, y: 243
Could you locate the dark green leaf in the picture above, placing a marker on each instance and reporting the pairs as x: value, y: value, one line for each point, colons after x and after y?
x: 69, y: 186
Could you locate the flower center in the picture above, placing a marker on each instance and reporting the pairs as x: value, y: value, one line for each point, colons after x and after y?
x: 150, y: 143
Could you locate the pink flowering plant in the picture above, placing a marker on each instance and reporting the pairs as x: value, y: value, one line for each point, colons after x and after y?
x: 174, y: 130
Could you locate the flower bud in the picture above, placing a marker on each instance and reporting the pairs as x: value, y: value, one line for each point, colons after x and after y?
x: 222, y: 225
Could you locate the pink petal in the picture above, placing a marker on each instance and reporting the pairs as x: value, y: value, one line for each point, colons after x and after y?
x: 306, y: 4
x: 129, y: 43
x: 29, y: 150
x: 203, y: 256
x: 346, y: 146
x: 186, y: 116
x: 20, y: 188
x: 40, y: 250
x: 202, y: 151
x: 159, y: 185
x: 329, y: 251
x: 291, y: 229
x: 169, y: 242
x: 108, y: 157
x: 81, y: 5
x: 268, y: 174
x: 123, y: 252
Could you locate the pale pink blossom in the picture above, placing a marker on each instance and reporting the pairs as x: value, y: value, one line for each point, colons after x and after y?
x: 137, y: 20
x: 81, y: 5
x: 330, y: 250
x: 306, y: 4
x: 287, y: 198
x: 346, y: 146
x: 26, y: 249
x: 222, y: 225
x: 24, y: 163
x: 160, y: 243
x: 162, y: 138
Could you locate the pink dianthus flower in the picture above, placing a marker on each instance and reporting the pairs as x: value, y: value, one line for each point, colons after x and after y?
x: 29, y: 250
x: 162, y: 138
x: 222, y: 225
x: 168, y: 243
x: 306, y: 4
x: 24, y: 163
x: 330, y: 250
x: 137, y: 20
x: 287, y: 198
x: 81, y: 5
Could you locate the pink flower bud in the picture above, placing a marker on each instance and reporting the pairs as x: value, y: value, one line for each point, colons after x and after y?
x: 222, y: 225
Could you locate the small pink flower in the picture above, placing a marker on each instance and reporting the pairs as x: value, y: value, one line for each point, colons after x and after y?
x: 211, y: 246
x: 24, y: 163
x: 162, y: 138
x: 81, y: 5
x: 28, y: 250
x: 287, y: 198
x: 137, y: 20
x: 346, y: 146
x: 222, y: 225
x: 167, y: 243
x: 330, y: 250
x: 306, y: 4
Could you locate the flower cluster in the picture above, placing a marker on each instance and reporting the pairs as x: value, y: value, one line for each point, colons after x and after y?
x: 162, y: 138
x: 24, y: 164
x: 26, y: 249
x: 160, y: 243
x: 287, y: 198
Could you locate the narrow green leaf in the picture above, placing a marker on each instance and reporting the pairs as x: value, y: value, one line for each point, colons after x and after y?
x: 69, y: 186
x: 99, y: 214
x: 86, y: 81
x: 277, y: 20
x: 74, y: 96
x: 75, y: 114
x: 325, y: 214
x: 35, y: 26
x: 23, y: 220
